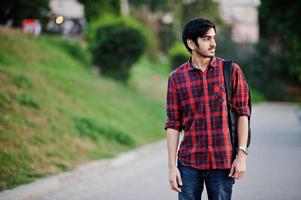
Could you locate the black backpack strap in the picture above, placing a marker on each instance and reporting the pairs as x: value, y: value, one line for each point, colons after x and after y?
x: 227, y: 71
x: 232, y: 119
x: 249, y: 118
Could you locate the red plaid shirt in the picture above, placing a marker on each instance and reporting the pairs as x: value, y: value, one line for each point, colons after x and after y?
x: 196, y: 103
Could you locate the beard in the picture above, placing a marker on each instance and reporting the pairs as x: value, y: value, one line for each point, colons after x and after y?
x: 204, y: 54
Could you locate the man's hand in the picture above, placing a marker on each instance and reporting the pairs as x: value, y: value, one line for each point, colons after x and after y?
x: 174, y: 178
x: 238, y: 168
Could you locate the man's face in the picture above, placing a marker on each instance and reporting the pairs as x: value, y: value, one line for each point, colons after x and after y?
x: 206, y: 44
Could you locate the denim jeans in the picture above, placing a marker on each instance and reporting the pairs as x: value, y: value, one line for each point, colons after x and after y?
x: 218, y: 183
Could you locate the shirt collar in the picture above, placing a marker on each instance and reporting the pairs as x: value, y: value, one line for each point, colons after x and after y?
x: 212, y: 63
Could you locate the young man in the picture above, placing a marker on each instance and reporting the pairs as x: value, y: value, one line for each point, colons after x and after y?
x: 196, y: 103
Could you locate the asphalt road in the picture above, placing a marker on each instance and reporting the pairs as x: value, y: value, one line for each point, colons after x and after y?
x: 273, y: 168
x: 274, y: 163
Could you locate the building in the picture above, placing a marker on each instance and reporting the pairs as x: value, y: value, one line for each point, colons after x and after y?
x: 67, y: 17
x: 242, y: 18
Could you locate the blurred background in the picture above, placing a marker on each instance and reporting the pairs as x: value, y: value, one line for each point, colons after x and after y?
x: 85, y: 80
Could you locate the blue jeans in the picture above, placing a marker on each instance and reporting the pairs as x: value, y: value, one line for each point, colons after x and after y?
x: 218, y: 183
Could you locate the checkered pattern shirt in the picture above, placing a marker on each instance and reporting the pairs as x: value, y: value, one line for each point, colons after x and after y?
x: 196, y: 103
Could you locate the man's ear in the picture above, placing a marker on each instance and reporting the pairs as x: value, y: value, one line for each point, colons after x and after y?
x: 190, y: 44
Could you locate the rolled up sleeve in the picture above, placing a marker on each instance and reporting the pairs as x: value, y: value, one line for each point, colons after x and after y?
x: 173, y: 107
x: 240, y: 92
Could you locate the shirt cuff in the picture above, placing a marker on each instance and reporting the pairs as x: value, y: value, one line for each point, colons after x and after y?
x: 173, y: 125
x: 242, y: 111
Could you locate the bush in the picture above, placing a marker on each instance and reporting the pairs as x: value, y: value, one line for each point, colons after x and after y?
x: 109, y: 19
x: 178, y: 55
x: 116, y: 45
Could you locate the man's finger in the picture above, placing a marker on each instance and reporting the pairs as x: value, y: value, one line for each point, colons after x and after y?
x: 175, y: 187
x: 231, y: 171
x: 236, y: 175
x: 179, y: 179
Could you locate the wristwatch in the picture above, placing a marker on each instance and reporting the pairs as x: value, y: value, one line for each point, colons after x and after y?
x: 244, y: 149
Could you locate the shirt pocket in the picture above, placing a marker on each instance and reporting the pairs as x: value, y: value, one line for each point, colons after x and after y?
x: 219, y: 94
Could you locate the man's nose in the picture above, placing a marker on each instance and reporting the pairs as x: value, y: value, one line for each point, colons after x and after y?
x: 213, y: 43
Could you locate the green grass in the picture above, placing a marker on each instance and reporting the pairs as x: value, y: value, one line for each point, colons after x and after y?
x: 57, y: 114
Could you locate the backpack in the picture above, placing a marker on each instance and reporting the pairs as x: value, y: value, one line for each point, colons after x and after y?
x: 232, y: 118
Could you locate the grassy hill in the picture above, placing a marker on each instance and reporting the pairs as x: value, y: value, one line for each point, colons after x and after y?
x: 57, y: 114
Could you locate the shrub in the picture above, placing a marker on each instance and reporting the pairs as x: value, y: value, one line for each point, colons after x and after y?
x: 116, y: 46
x: 109, y: 19
x: 177, y: 55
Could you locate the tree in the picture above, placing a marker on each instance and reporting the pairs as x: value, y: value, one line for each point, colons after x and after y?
x: 17, y: 10
x: 280, y: 29
x: 180, y: 11
x: 276, y: 62
x: 116, y: 45
x: 96, y: 8
x: 154, y: 5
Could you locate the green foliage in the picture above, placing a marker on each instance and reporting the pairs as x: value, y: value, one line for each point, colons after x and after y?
x: 178, y: 55
x: 109, y: 19
x: 116, y: 47
x: 275, y: 65
x: 17, y: 10
x: 277, y: 23
x: 265, y: 72
x: 154, y: 5
x: 257, y: 96
x: 225, y: 47
x: 179, y: 11
x: 279, y: 30
x: 94, y: 130
x: 207, y: 9
x: 167, y: 37
x: 96, y: 8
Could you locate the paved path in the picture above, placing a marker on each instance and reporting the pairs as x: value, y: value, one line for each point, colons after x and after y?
x: 273, y: 171
x: 274, y: 164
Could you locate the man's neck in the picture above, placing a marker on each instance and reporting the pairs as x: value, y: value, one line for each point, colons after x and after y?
x: 200, y: 62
